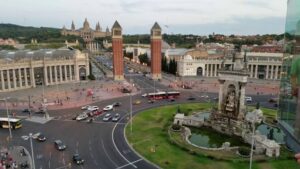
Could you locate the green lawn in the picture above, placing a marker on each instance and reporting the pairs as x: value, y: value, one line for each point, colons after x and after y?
x: 151, y: 140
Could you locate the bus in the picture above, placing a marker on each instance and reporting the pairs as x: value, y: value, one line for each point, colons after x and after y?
x: 14, y: 123
x: 162, y: 95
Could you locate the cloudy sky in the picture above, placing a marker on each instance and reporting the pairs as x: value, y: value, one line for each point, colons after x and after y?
x: 137, y: 16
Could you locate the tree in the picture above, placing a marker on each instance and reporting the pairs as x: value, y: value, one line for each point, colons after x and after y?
x: 144, y: 58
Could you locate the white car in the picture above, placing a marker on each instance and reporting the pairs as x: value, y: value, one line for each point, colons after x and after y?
x: 85, y: 107
x: 93, y: 108
x: 248, y: 99
x: 107, y: 117
x: 81, y: 117
x: 109, y: 107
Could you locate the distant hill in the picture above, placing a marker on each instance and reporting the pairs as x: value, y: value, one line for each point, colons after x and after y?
x: 24, y: 34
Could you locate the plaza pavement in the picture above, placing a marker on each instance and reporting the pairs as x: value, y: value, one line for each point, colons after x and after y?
x: 204, y: 84
x: 64, y: 95
x: 13, y: 155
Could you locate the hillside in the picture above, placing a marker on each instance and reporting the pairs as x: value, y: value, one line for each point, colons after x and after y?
x: 24, y: 34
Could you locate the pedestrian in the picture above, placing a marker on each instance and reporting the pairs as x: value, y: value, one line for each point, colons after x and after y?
x: 297, y: 156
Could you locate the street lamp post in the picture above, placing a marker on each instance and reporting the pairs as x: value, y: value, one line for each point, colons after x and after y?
x: 9, y: 126
x: 130, y: 112
x: 31, y: 146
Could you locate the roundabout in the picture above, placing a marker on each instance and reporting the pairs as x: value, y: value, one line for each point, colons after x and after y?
x: 152, y: 139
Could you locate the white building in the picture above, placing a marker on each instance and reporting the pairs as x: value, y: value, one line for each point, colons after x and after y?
x: 260, y: 65
x: 26, y: 69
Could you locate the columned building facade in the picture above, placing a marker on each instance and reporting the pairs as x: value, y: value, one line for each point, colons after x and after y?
x: 27, y: 69
x: 260, y: 65
x: 117, y: 46
x: 156, y: 41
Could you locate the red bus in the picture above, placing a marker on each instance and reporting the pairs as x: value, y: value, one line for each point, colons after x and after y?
x: 162, y: 95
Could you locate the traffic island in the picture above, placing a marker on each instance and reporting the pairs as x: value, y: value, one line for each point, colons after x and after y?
x: 150, y: 138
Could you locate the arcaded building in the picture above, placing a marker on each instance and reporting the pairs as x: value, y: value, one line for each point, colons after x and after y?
x: 27, y: 69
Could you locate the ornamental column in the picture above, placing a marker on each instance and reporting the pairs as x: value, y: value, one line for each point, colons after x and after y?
x: 156, y: 39
x: 55, y: 74
x: 20, y: 78
x: 70, y: 71
x: 272, y: 72
x: 117, y: 46
x: 256, y: 71
x: 251, y: 71
x: 242, y: 98
x: 14, y: 79
x: 276, y: 72
x: 2, y: 81
x: 60, y: 74
x: 267, y: 72
x: 51, y: 76
x: 32, y: 78
x: 8, y: 79
x: 26, y: 79
x: 221, y: 84
x: 45, y: 76
x: 65, y: 73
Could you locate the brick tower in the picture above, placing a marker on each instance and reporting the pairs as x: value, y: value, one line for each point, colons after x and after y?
x: 156, y: 51
x: 117, y: 47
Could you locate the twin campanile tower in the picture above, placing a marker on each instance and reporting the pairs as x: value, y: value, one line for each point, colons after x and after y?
x: 117, y: 46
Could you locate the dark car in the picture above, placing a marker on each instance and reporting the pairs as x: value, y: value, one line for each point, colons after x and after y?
x: 191, y: 98
x: 77, y: 159
x: 171, y: 100
x: 116, y: 117
x: 41, y: 138
x: 26, y: 111
x: 40, y: 111
x: 59, y: 145
x: 116, y: 104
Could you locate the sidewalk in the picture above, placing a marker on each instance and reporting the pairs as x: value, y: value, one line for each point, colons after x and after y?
x: 64, y: 96
x: 204, y: 84
x: 15, y: 157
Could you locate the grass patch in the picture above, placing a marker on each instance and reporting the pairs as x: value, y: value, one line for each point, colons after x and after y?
x: 151, y: 140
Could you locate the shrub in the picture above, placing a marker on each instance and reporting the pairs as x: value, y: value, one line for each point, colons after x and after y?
x: 176, y: 127
x: 244, y: 151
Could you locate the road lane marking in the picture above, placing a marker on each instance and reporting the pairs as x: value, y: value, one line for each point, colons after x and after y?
x: 112, y: 137
x: 107, y: 154
x: 129, y: 163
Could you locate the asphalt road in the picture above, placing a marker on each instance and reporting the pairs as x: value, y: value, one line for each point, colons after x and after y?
x: 101, y: 144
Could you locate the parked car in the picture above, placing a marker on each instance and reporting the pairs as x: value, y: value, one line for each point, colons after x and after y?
x: 26, y: 111
x: 93, y: 108
x: 59, y: 145
x: 116, y: 117
x: 85, y: 107
x: 171, y: 100
x: 136, y: 102
x: 116, y: 104
x: 108, y: 108
x: 107, y: 117
x: 41, y: 138
x: 248, y: 99
x: 273, y: 100
x: 151, y: 101
x: 204, y: 96
x: 191, y: 98
x: 82, y: 117
x: 40, y: 111
x: 77, y: 159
